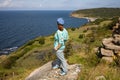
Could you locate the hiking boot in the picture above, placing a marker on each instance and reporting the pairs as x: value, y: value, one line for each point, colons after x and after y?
x: 63, y: 73
x: 55, y: 67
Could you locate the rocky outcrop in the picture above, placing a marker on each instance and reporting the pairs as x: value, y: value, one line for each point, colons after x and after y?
x: 110, y: 43
x: 47, y: 73
x: 111, y: 46
x: 108, y: 53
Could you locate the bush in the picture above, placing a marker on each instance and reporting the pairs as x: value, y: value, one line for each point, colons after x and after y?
x: 85, y: 30
x: 42, y: 40
x: 9, y: 62
x: 30, y: 42
x: 98, y: 21
x: 92, y: 39
x: 81, y: 36
x: 73, y: 29
x: 68, y: 49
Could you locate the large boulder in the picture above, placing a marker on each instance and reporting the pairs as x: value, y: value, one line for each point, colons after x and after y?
x: 108, y: 44
x: 46, y: 73
x: 105, y: 52
x: 108, y: 59
x: 38, y: 73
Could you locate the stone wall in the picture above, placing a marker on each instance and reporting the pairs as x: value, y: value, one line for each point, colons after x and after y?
x: 110, y: 49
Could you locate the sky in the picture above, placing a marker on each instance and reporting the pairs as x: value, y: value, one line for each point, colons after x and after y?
x: 56, y: 4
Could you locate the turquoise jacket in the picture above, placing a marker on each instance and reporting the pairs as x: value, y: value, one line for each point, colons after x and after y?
x: 60, y: 38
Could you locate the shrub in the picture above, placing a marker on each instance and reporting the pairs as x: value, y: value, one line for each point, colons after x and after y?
x: 68, y: 49
x: 9, y: 62
x: 73, y: 29
x: 114, y: 21
x: 81, y: 36
x: 98, y: 21
x: 30, y: 42
x: 42, y: 40
x: 85, y: 30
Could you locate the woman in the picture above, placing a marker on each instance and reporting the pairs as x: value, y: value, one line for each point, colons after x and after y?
x: 61, y: 36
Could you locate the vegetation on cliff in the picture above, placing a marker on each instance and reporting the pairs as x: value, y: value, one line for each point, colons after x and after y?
x: 98, y: 12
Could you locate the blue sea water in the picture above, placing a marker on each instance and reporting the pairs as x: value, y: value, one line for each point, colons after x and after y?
x: 18, y: 27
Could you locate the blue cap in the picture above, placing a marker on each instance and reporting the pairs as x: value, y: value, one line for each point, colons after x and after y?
x: 60, y: 21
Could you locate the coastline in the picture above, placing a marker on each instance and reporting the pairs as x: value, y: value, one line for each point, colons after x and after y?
x: 90, y: 19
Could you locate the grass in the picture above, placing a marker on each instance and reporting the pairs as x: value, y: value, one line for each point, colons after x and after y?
x: 92, y: 66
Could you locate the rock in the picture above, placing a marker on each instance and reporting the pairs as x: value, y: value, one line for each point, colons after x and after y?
x: 108, y: 59
x: 46, y: 73
x: 36, y: 74
x: 108, y: 53
x: 107, y: 43
x: 100, y: 78
x: 117, y: 53
x: 116, y: 39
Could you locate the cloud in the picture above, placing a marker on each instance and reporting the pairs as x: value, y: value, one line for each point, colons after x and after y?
x: 5, y: 3
x: 57, y: 5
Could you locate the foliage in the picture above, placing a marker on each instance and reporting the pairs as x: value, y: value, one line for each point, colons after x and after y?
x: 99, y: 12
x: 73, y: 29
x: 68, y: 49
x: 42, y: 40
x: 81, y: 36
x: 98, y: 21
x: 10, y: 61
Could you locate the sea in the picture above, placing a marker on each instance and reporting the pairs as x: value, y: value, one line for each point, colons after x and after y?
x: 18, y: 27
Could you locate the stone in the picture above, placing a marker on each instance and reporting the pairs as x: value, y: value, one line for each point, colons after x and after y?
x: 117, y: 53
x: 47, y: 73
x: 36, y: 74
x: 108, y: 44
x: 108, y: 53
x: 107, y: 40
x: 108, y: 59
x: 116, y: 39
